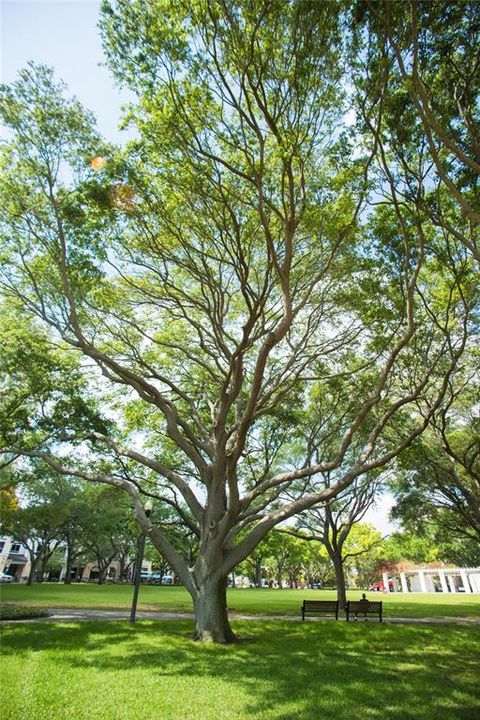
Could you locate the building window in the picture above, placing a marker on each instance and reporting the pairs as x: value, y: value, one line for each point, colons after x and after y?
x: 2, y: 545
x: 16, y: 548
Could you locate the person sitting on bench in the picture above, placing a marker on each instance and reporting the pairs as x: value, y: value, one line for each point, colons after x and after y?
x: 363, y: 599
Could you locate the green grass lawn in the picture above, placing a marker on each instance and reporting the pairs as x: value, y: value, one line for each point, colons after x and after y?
x: 281, y: 671
x: 249, y: 601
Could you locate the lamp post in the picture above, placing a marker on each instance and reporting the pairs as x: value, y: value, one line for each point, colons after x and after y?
x: 138, y: 563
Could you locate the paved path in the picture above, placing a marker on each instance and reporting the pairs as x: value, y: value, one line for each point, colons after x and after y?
x: 72, y: 615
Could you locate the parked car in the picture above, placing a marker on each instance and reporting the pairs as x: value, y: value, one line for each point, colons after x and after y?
x: 4, y: 578
x: 152, y: 578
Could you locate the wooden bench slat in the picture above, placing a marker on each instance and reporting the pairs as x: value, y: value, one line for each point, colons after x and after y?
x: 374, y: 606
x: 366, y: 607
x: 319, y: 603
x: 316, y: 607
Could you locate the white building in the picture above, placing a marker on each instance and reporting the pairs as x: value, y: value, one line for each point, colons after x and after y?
x: 432, y: 577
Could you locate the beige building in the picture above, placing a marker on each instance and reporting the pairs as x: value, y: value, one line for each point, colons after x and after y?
x: 14, y: 561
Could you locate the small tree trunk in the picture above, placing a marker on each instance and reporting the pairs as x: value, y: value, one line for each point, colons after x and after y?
x: 210, y: 600
x: 43, y: 566
x: 32, y: 573
x: 78, y: 573
x: 39, y: 570
x: 68, y: 566
x: 340, y: 582
x: 67, y: 578
x: 280, y: 575
x: 258, y: 574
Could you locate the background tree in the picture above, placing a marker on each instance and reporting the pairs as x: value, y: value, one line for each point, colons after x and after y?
x: 254, y: 566
x: 39, y: 528
x: 73, y: 529
x: 295, y: 562
x: 108, y: 533
x: 8, y: 506
x: 317, y: 566
x: 362, y: 551
x: 292, y: 558
x: 179, y: 534
x: 222, y: 266
x: 428, y: 489
x: 438, y: 478
x: 332, y: 524
x: 410, y: 545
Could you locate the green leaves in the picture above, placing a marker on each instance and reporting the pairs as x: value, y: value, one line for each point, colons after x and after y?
x: 43, y: 392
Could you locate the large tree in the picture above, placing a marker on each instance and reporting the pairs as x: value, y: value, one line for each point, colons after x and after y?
x: 220, y: 269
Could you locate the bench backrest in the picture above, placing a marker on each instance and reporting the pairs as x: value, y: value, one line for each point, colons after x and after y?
x: 364, y: 606
x: 320, y: 605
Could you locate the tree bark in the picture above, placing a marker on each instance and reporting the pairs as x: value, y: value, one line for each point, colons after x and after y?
x: 67, y: 580
x: 79, y: 573
x: 31, y: 574
x: 340, y: 582
x: 211, y: 617
x: 258, y: 574
x: 43, y: 567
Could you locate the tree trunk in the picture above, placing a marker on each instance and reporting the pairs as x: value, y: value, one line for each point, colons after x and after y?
x: 122, y: 567
x: 206, y: 581
x: 340, y: 582
x: 43, y: 566
x: 68, y: 566
x: 280, y: 574
x: 78, y: 573
x: 211, y: 618
x: 32, y: 573
x: 39, y: 570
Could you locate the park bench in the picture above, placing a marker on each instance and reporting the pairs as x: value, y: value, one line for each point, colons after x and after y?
x: 320, y: 607
x: 363, y: 607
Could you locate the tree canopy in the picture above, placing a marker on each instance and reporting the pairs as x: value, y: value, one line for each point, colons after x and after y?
x: 253, y: 289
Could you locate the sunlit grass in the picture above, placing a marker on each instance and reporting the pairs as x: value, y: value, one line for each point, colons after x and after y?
x: 248, y: 601
x: 280, y: 671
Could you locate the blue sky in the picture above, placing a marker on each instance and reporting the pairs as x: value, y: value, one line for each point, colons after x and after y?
x: 64, y: 35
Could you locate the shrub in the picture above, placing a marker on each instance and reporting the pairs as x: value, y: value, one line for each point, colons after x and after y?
x: 19, y: 612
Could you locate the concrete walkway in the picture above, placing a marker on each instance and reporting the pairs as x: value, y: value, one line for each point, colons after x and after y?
x: 73, y: 615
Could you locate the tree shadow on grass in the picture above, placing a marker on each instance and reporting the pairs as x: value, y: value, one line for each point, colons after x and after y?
x: 303, y: 671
